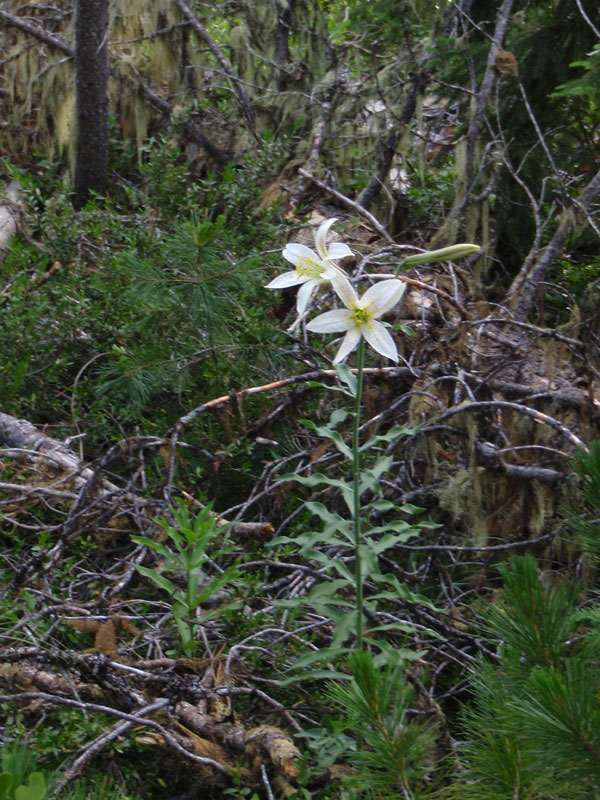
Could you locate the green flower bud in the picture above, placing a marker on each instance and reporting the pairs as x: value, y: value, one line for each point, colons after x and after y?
x: 445, y: 254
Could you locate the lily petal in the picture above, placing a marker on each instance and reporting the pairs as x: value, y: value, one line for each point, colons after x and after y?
x: 345, y: 292
x: 351, y: 340
x: 380, y: 340
x: 332, y: 271
x: 304, y: 295
x: 339, y: 250
x: 332, y: 322
x: 294, y: 251
x: 382, y: 296
x: 285, y: 279
x: 321, y: 236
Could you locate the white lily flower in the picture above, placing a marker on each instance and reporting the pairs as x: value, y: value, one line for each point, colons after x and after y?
x: 312, y: 268
x: 360, y: 316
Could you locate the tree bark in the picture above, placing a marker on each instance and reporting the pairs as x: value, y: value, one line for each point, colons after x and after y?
x: 282, y: 44
x: 91, y: 80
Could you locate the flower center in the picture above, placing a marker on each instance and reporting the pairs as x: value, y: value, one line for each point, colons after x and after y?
x: 361, y: 317
x: 307, y: 268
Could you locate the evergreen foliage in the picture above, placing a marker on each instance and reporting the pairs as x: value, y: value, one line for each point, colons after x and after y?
x: 393, y: 749
x: 531, y: 727
x: 587, y: 526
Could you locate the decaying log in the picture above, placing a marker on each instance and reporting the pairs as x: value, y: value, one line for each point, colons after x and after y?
x: 21, y: 434
x: 197, y: 737
x: 31, y: 445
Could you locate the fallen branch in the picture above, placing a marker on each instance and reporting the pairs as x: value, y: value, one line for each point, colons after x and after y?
x: 538, y: 416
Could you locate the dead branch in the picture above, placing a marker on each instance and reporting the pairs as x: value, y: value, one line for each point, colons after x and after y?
x: 37, y: 33
x: 538, y: 416
x: 219, y: 156
x: 487, y: 84
x: 235, y: 80
x: 524, y: 286
x: 318, y: 137
x: 350, y: 204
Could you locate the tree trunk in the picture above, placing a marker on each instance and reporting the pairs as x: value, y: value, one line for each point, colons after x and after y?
x: 282, y: 44
x: 91, y: 79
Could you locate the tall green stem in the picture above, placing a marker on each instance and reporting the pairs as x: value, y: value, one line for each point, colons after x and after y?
x: 356, y: 484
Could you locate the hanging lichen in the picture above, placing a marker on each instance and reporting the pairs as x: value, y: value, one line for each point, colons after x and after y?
x: 145, y: 44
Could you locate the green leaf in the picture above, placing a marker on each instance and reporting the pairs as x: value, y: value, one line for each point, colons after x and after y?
x: 227, y: 577
x: 158, y: 579
x: 319, y: 479
x: 322, y: 655
x: 408, y: 508
x: 398, y: 525
x: 369, y: 478
x: 405, y: 329
x: 157, y: 547
x: 383, y: 505
x: 35, y: 789
x: 385, y: 438
x: 328, y: 432
x: 332, y: 520
x: 347, y: 377
x: 6, y: 781
x: 344, y: 628
x: 315, y: 675
x: 326, y: 591
x: 319, y: 385
x: 335, y: 564
x: 395, y: 656
x: 391, y: 540
x: 399, y: 591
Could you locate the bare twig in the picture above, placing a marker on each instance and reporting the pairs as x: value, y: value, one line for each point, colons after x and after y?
x: 223, y: 61
x: 350, y: 204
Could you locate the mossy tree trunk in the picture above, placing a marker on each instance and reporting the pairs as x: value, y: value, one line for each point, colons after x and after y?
x: 92, y: 70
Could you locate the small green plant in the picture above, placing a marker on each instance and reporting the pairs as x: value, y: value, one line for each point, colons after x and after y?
x: 19, y: 779
x: 191, y: 539
x: 34, y: 789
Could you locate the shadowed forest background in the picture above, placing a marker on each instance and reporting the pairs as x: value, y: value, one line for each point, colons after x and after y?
x: 176, y: 586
